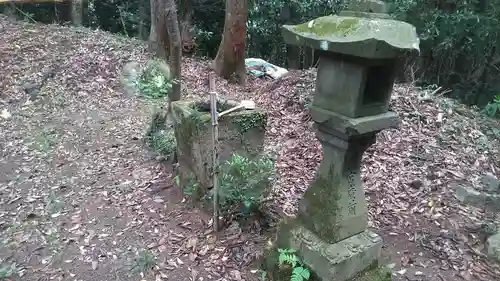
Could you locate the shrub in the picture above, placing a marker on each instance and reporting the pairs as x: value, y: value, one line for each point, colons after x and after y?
x: 160, y: 137
x: 459, y: 45
x: 244, y: 183
x: 492, y: 109
x: 155, y: 80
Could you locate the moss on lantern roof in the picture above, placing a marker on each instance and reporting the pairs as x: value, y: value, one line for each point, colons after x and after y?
x: 358, y: 36
x: 326, y: 27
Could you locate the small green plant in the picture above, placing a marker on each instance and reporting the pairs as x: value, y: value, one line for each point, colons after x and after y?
x: 53, y: 204
x: 7, y: 270
x: 288, y: 257
x: 154, y: 81
x: 189, y: 188
x: 43, y: 140
x: 144, y: 261
x: 493, y: 108
x: 163, y: 142
x: 160, y: 138
x: 244, y: 182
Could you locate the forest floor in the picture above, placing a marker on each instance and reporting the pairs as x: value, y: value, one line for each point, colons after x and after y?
x: 82, y: 199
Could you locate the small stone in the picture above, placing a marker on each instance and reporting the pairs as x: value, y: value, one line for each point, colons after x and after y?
x: 469, y: 195
x: 491, y: 182
x: 466, y: 194
x: 416, y: 184
x: 493, y: 247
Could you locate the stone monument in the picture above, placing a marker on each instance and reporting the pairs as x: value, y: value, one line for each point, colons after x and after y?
x: 357, y: 66
x: 241, y: 132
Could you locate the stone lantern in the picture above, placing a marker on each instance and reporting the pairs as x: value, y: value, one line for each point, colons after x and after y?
x: 359, y: 51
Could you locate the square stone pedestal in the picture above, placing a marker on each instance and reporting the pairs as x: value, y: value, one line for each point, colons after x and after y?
x: 340, y: 261
x: 240, y: 132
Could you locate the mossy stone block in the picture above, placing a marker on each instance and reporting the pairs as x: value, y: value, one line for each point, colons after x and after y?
x: 240, y: 132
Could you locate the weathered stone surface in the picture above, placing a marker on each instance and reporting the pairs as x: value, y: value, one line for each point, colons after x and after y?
x: 240, y: 132
x: 330, y: 121
x: 373, y: 38
x: 469, y: 195
x: 491, y: 182
x: 334, y: 206
x: 334, y: 261
x: 493, y: 244
x: 352, y: 86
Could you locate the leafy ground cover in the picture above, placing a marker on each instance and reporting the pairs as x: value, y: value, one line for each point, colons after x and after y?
x: 82, y: 199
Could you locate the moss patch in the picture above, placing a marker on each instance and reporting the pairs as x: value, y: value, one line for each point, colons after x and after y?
x: 222, y: 105
x: 325, y: 26
x: 246, y: 122
x: 324, y: 192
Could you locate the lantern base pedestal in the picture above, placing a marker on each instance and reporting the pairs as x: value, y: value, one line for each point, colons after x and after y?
x: 341, y: 261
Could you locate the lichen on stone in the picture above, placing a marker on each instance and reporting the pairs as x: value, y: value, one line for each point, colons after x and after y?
x: 246, y: 122
x: 326, y: 26
x: 357, y: 36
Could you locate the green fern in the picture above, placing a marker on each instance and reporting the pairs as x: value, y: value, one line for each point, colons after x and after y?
x: 7, y: 270
x: 300, y: 273
x: 289, y: 257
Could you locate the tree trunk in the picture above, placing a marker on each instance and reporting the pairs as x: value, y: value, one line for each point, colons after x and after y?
x: 162, y: 46
x: 292, y: 51
x: 175, y: 48
x: 77, y: 12
x: 153, y: 38
x: 293, y: 56
x: 143, y: 18
x: 85, y: 13
x: 152, y: 29
x: 185, y: 25
x: 63, y: 12
x: 230, y: 57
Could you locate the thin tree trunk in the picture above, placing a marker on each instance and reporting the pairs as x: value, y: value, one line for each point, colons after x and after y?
x: 293, y: 56
x: 64, y: 12
x: 292, y: 51
x: 77, y: 12
x: 230, y: 57
x: 85, y: 12
x: 153, y: 38
x: 163, y: 50
x: 174, y: 38
x: 143, y: 18
x: 185, y: 24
